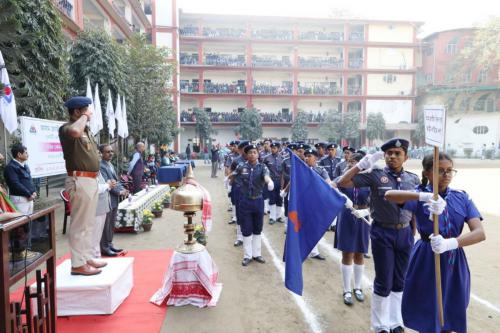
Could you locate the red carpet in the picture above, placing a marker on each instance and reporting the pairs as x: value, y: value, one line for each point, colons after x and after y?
x: 135, y: 314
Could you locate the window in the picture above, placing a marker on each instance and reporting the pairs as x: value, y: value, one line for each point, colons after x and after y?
x: 479, y: 130
x: 481, y: 103
x: 389, y: 78
x: 482, y: 76
x: 428, y: 77
x: 451, y: 48
x: 464, y: 104
x: 428, y: 50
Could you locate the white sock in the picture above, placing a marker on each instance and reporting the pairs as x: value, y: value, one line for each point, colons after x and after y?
x: 380, y: 313
x: 266, y: 206
x: 358, y: 275
x: 239, y: 235
x: 346, y: 277
x: 272, y: 212
x: 395, y: 317
x: 247, y: 247
x: 256, y: 246
x: 233, y: 213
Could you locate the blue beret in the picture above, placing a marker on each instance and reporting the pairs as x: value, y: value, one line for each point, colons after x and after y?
x: 248, y: 147
x: 349, y: 148
x: 331, y: 145
x: 77, y: 102
x: 311, y: 151
x: 395, y: 143
x: 243, y: 144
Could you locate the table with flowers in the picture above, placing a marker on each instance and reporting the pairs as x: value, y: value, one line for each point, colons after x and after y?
x: 130, y: 210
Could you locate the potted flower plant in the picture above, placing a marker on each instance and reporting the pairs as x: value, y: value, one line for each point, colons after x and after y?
x: 199, y: 234
x: 147, y: 219
x: 157, y: 208
x: 166, y: 200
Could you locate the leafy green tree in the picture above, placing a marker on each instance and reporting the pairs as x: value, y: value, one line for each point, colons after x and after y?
x: 97, y: 57
x: 250, y: 125
x: 350, y: 126
x: 331, y: 127
x: 149, y: 109
x: 34, y: 51
x: 299, y: 127
x: 418, y: 135
x: 375, y: 126
x: 203, y: 125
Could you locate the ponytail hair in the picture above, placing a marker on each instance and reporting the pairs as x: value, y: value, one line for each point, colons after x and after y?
x: 428, y: 163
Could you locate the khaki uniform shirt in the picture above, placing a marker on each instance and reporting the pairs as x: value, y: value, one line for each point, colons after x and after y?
x: 80, y: 153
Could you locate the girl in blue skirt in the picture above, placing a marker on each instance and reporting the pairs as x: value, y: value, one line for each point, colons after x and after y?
x: 352, y: 238
x: 419, y: 305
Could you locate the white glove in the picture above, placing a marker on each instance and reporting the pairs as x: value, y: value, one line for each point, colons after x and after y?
x: 360, y: 213
x: 282, y: 193
x: 440, y: 245
x: 435, y: 206
x: 365, y: 162
x: 376, y: 157
x: 270, y: 185
x: 425, y: 196
x: 348, y: 202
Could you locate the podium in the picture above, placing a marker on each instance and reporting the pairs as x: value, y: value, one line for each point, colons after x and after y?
x: 12, y: 317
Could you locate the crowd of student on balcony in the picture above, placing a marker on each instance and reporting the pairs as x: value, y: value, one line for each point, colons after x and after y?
x: 266, y: 117
x: 269, y: 33
x: 324, y: 88
x: 238, y: 60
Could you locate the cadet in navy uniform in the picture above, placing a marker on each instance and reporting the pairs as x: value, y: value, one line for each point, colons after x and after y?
x: 235, y: 191
x: 330, y: 161
x: 273, y: 162
x: 419, y: 306
x: 321, y: 149
x: 252, y: 176
x: 301, y: 148
x: 391, y: 235
x: 229, y: 158
x: 264, y: 150
x: 341, y: 167
x: 311, y: 157
x: 352, y: 238
x: 285, y: 179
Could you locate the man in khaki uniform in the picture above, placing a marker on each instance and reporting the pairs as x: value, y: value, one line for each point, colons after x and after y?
x: 82, y: 165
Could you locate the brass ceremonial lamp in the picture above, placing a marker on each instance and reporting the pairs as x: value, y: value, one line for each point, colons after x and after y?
x: 188, y: 199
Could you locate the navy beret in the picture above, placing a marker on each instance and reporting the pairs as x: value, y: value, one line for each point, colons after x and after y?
x: 243, y: 144
x: 331, y: 145
x: 232, y: 142
x: 303, y: 146
x: 320, y: 144
x: 248, y: 147
x: 276, y: 144
x: 395, y: 143
x: 77, y: 102
x: 360, y: 152
x: 311, y: 151
x: 349, y: 148
x: 292, y: 145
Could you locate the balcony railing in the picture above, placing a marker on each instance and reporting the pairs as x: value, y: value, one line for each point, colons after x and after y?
x: 188, y: 59
x: 66, y: 7
x: 189, y: 31
x: 225, y: 60
x: 286, y: 88
x: 321, y: 62
x: 356, y: 36
x: 354, y: 91
x: 322, y: 35
x: 271, y: 61
x: 355, y: 63
x: 187, y: 87
x: 223, y: 32
x: 319, y: 88
x: 224, y: 88
x: 272, y: 34
x: 235, y: 117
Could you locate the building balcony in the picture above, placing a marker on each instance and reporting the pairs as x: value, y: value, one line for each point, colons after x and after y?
x: 271, y: 61
x: 354, y: 91
x: 321, y: 62
x: 212, y: 59
x: 355, y: 63
x: 188, y: 59
x: 224, y: 88
x: 267, y: 89
x: 234, y: 117
x: 322, y: 35
x: 186, y: 87
x: 319, y: 88
x: 223, y: 32
x: 272, y: 34
x: 189, y: 31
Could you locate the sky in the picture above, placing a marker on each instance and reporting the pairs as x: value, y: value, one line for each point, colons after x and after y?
x: 437, y: 15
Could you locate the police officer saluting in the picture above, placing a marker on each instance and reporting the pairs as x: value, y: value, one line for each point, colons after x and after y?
x: 273, y: 162
x: 391, y: 234
x: 252, y: 177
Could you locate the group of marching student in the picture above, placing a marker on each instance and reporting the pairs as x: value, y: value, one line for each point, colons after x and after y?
x: 399, y: 204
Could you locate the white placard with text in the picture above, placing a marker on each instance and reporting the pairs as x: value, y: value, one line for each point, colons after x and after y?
x: 435, y: 125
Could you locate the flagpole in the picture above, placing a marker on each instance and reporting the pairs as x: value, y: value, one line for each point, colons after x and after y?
x: 437, y: 256
x: 5, y: 143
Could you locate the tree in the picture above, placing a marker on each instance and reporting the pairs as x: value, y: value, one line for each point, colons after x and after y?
x: 149, y: 109
x: 97, y: 57
x: 418, y: 134
x: 203, y: 124
x: 250, y: 125
x: 350, y: 126
x: 34, y: 51
x: 331, y: 127
x: 299, y: 127
x: 375, y: 126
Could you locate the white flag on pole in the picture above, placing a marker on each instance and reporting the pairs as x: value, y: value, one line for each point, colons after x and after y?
x: 98, y: 109
x: 110, y: 115
x: 7, y: 101
x: 125, y: 121
x: 119, y: 116
x: 92, y: 121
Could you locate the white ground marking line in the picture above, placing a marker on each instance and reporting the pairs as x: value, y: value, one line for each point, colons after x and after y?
x: 368, y: 281
x: 309, y: 316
